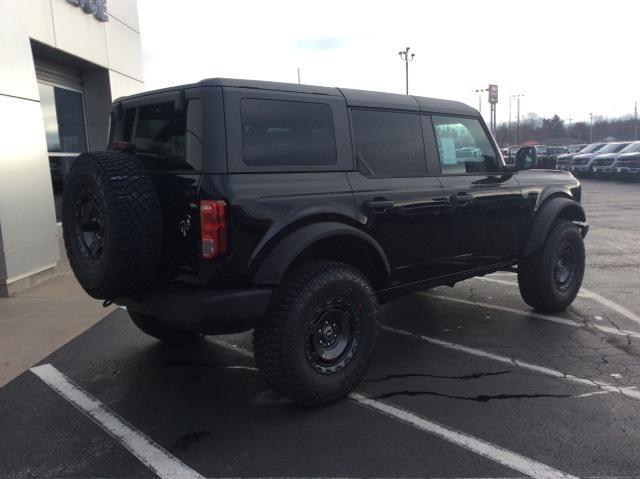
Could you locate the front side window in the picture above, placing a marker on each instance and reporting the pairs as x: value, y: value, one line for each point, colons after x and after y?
x: 287, y: 133
x: 464, y: 146
x: 389, y: 144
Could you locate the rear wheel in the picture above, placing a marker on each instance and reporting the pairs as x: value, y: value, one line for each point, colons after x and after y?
x: 550, y: 280
x: 161, y: 331
x: 317, y: 343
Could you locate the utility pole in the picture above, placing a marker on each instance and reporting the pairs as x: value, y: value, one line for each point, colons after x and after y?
x: 591, y: 129
x: 510, y: 97
x: 298, y: 75
x: 569, y: 128
x: 517, y: 97
x: 635, y: 121
x: 406, y: 57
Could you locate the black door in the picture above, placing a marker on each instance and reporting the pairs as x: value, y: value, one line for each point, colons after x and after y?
x: 399, y: 203
x: 485, y: 212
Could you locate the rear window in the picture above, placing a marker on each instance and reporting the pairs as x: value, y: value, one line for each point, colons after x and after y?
x: 279, y: 133
x: 165, y: 138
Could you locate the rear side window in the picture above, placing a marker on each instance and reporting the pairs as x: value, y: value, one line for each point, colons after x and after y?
x: 278, y: 133
x: 388, y: 144
x: 165, y: 138
x: 463, y: 146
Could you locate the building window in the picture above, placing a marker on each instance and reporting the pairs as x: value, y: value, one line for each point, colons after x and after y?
x: 63, y: 114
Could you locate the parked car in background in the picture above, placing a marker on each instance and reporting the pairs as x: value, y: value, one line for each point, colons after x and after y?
x: 510, y: 157
x: 602, y: 165
x: 564, y: 162
x: 582, y: 163
x: 576, y: 148
x: 627, y: 163
x: 548, y: 156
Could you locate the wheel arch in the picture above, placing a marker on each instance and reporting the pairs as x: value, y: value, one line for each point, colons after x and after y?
x: 325, y: 240
x: 554, y: 207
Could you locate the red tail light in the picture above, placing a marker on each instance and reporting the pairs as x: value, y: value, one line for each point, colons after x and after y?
x: 213, y: 228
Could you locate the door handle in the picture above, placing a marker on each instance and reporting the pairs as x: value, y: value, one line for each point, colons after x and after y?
x: 378, y: 206
x: 462, y: 198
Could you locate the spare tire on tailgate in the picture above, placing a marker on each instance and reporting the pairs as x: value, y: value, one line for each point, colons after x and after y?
x: 112, y: 224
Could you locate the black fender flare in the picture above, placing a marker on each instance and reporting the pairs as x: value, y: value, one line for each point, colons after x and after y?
x: 546, y: 215
x: 274, y: 266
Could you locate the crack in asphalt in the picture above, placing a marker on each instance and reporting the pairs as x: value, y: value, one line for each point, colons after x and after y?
x: 483, y: 398
x: 557, y: 374
x: 465, y: 377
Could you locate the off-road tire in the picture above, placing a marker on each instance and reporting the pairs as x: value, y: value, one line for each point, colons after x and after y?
x: 281, y: 343
x: 130, y: 224
x: 161, y: 331
x: 537, y: 275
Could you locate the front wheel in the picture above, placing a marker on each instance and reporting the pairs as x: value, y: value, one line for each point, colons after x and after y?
x: 550, y: 280
x: 317, y: 343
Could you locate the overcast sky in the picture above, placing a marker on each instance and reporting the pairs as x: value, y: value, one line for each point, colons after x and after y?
x: 568, y: 57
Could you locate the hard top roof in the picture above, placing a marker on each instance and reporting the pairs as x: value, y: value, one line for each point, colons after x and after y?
x: 356, y: 98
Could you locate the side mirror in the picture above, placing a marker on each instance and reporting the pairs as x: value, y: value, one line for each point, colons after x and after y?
x: 526, y: 158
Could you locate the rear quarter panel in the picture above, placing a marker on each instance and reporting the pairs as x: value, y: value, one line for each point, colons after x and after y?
x: 264, y: 207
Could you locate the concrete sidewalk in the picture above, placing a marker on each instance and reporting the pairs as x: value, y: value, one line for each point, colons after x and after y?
x: 39, y: 320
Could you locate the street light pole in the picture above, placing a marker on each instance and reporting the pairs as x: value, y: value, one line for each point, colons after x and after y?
x: 298, y: 75
x: 635, y: 121
x: 406, y: 57
x: 510, y: 96
x: 591, y: 129
x: 479, y: 92
x: 517, y: 97
x: 569, y: 129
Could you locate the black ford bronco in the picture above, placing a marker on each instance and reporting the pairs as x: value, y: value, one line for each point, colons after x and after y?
x: 294, y: 210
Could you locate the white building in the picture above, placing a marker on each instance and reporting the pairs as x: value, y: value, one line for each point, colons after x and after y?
x: 61, y: 64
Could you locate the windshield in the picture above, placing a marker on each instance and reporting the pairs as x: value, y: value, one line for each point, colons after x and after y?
x: 612, y: 147
x: 592, y: 148
x: 632, y: 148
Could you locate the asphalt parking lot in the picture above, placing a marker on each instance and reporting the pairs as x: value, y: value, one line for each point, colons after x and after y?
x: 467, y: 382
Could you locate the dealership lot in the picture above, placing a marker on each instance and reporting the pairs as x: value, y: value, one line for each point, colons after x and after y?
x: 467, y: 382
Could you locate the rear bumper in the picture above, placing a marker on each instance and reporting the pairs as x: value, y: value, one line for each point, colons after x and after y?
x: 204, y: 310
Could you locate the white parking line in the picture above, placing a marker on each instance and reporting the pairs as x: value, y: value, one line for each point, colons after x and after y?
x: 532, y: 314
x: 585, y: 293
x: 495, y: 453
x: 611, y: 305
x: 486, y: 449
x: 165, y: 465
x: 630, y: 392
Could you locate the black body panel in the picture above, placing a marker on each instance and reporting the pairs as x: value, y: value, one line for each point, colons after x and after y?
x: 404, y: 233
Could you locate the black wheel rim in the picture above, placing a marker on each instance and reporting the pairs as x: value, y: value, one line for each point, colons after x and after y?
x: 89, y: 225
x: 565, y: 267
x: 333, y: 335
